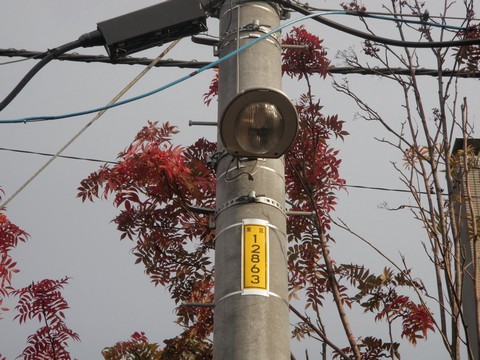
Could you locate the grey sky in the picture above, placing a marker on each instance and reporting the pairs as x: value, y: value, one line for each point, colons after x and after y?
x: 110, y: 297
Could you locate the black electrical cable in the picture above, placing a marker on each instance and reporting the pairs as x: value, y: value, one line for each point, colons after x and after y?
x: 197, y: 64
x: 363, y: 187
x: 128, y: 60
x: 93, y: 38
x: 60, y: 156
x: 374, y: 38
x: 390, y: 14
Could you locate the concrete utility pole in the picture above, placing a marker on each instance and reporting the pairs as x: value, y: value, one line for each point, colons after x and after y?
x: 251, y: 286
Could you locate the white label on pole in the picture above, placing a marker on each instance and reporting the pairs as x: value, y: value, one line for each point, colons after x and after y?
x: 255, y: 269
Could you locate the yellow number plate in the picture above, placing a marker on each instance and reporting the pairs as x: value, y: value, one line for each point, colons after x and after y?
x: 255, y: 257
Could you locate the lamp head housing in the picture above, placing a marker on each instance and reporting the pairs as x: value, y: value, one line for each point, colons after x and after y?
x: 259, y: 123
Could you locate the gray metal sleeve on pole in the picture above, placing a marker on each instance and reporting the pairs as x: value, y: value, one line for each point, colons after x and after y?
x: 249, y: 326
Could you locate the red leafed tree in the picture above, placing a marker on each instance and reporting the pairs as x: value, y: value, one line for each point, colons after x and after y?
x: 313, y: 59
x: 156, y: 184
x: 162, y: 191
x: 435, y: 139
x: 10, y: 236
x: 41, y: 300
x: 137, y: 346
x: 312, y: 183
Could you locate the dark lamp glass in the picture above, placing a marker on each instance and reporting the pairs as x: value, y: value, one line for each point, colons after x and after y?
x: 258, y: 122
x: 258, y: 128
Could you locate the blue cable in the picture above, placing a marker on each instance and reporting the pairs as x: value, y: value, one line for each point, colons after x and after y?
x: 418, y: 22
x: 206, y: 67
x: 173, y: 83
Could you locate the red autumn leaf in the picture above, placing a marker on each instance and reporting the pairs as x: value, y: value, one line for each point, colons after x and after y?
x: 43, y: 300
x: 311, y: 59
x: 212, y: 90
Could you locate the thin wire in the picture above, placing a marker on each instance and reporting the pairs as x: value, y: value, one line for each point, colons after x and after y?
x: 196, y: 64
x: 34, y: 70
x: 59, y: 156
x: 90, y: 39
x: 15, y: 61
x: 418, y: 22
x: 375, y: 38
x: 368, y: 13
x: 380, y: 188
x: 173, y: 83
x: 307, y: 15
x: 96, y: 117
x: 362, y: 187
x: 128, y: 60
x: 31, y: 56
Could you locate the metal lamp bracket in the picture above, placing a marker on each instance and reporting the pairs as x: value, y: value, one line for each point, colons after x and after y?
x: 241, y: 200
x: 249, y: 199
x: 249, y: 31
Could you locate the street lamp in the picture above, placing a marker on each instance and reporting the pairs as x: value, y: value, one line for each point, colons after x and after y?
x: 259, y: 122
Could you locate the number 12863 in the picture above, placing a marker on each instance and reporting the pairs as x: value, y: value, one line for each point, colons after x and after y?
x: 255, y: 257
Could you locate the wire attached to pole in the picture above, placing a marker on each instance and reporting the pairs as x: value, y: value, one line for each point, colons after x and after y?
x: 317, y: 16
x: 95, y: 118
x: 93, y: 38
x: 378, y: 39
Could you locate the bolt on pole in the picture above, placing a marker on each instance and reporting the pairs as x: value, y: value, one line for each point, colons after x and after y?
x: 251, y: 318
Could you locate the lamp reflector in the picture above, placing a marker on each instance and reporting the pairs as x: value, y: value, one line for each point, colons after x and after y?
x: 259, y: 122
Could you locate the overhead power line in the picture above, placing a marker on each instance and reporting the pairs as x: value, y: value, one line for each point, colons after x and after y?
x: 390, y: 14
x: 170, y: 84
x: 59, y: 156
x: 318, y: 16
x: 407, y: 72
x: 28, y: 54
x: 78, y: 158
x: 196, y: 64
x: 93, y: 38
x: 84, y: 128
